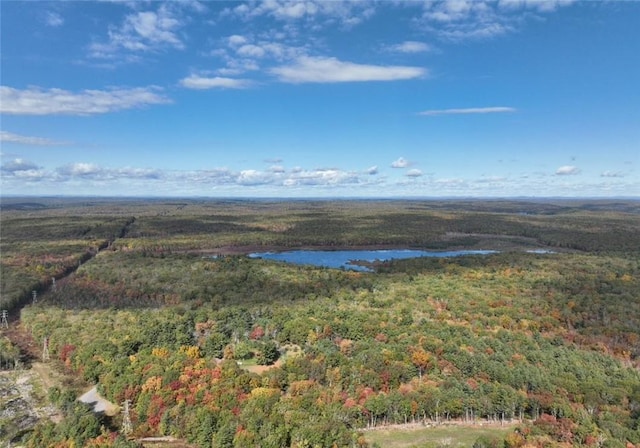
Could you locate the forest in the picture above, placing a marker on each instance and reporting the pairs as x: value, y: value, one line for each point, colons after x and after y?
x: 156, y: 302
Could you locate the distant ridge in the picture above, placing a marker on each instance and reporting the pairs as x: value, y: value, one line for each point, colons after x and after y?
x: 23, y: 206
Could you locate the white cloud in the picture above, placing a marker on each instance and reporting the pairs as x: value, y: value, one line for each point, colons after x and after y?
x: 137, y: 173
x: 144, y: 31
x: 452, y: 10
x: 410, y: 46
x: 80, y: 169
x: 481, y: 19
x: 237, y: 66
x: 264, y: 48
x: 16, y: 165
x: 291, y: 10
x: 609, y: 173
x: 194, y: 5
x: 470, y: 110
x: 217, y: 82
x: 91, y: 171
x: 74, y: 174
x: 280, y: 51
x: 400, y: 163
x: 330, y: 70
x: 372, y: 170
x: 236, y: 40
x: 34, y: 175
x: 476, y: 31
x: 154, y: 28
x: 326, y: 177
x: 275, y: 177
x: 450, y: 182
x: 254, y: 177
x: 347, y: 12
x: 27, y: 140
x: 567, y: 170
x: 241, y: 53
x: 252, y: 51
x: 38, y: 101
x: 282, y: 10
x: 539, y: 5
x: 218, y: 176
x: 53, y: 19
x: 20, y: 176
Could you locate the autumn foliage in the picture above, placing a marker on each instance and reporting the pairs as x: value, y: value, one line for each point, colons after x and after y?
x: 233, y: 351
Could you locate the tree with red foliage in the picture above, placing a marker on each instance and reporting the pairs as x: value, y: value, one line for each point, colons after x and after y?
x: 256, y: 333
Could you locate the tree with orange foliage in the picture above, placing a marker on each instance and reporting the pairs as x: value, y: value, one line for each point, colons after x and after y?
x: 421, y: 359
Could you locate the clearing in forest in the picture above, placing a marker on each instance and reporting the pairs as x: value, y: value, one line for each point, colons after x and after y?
x: 419, y: 436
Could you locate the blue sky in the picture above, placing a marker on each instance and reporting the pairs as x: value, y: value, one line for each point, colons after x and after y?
x: 321, y: 98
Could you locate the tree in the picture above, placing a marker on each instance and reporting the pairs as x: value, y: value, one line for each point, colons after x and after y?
x: 206, y: 427
x: 215, y: 344
x: 268, y: 354
x: 242, y: 350
x: 224, y: 437
x: 256, y: 333
x: 421, y: 359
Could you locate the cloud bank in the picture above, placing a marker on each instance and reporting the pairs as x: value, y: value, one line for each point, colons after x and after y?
x: 24, y: 176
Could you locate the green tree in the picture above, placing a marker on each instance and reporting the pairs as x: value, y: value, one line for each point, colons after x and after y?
x: 268, y: 353
x: 214, y: 344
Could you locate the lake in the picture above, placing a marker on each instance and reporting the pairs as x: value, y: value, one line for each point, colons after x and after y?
x: 345, y: 258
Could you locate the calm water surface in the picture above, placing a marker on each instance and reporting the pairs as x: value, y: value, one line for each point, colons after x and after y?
x: 345, y: 258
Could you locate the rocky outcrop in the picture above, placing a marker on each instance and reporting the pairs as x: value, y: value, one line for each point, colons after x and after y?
x: 22, y: 403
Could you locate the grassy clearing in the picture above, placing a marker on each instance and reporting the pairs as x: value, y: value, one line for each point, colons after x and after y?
x: 443, y: 436
x: 287, y: 351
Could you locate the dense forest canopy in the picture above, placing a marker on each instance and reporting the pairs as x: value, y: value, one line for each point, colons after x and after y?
x: 157, y: 303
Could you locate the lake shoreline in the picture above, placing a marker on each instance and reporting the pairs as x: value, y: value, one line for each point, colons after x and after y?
x: 360, y: 260
x: 255, y: 248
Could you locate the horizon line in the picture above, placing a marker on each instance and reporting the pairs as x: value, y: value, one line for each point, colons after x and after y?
x: 351, y: 198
